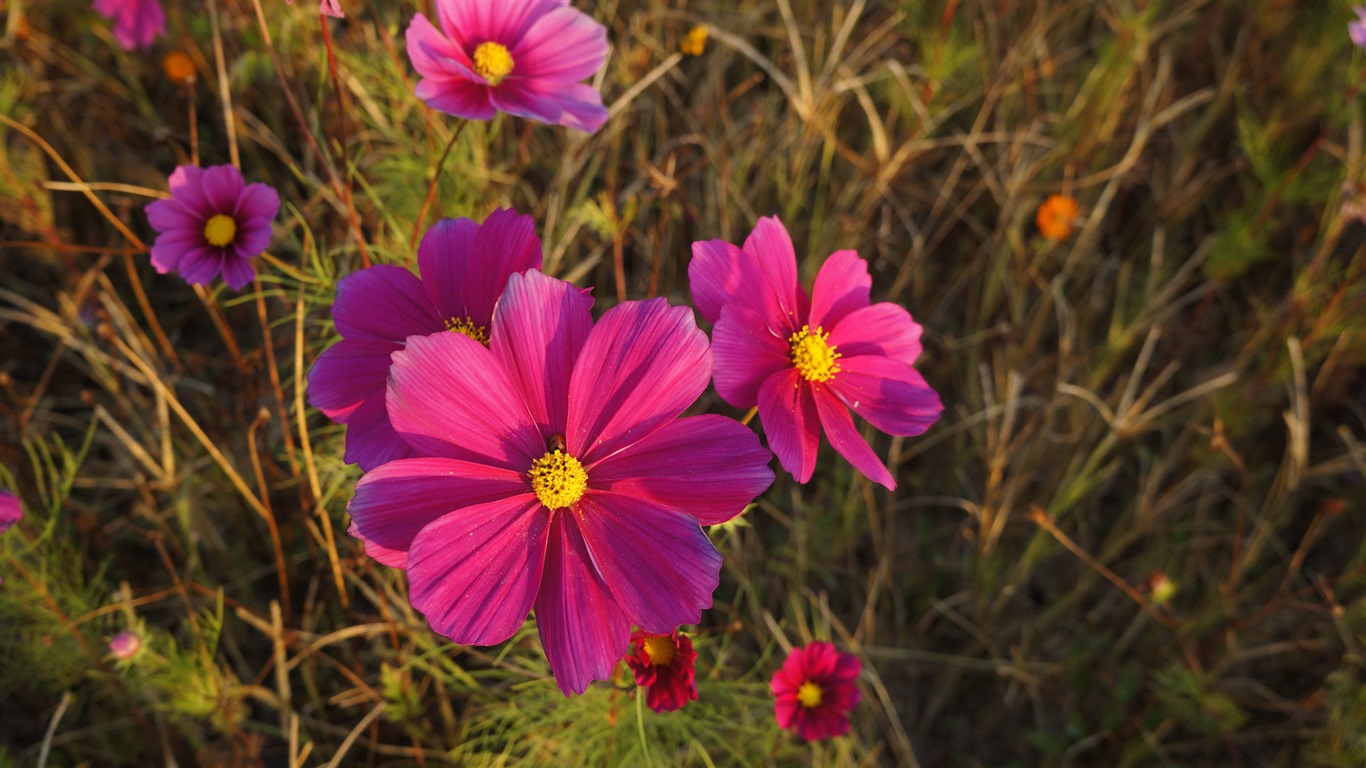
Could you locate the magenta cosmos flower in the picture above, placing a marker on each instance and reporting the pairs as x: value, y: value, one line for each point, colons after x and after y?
x: 464, y: 267
x: 125, y: 645
x: 807, y: 361
x: 136, y: 22
x: 327, y: 8
x: 559, y: 476
x: 213, y: 222
x: 667, y: 664
x: 524, y: 57
x: 815, y: 691
x: 10, y: 510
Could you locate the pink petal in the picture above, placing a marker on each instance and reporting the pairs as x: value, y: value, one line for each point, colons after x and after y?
x: 583, y: 630
x: 222, y: 184
x: 840, y: 431
x: 10, y: 510
x: 186, y: 184
x: 449, y: 396
x: 573, y: 105
x: 709, y: 467
x: 762, y: 276
x: 884, y: 329
x: 890, y: 394
x: 658, y: 563
x: 347, y: 374
x: 428, y: 48
x: 384, y: 302
x: 770, y: 246
x: 643, y: 363
x: 466, y: 265
x: 505, y: 21
x: 541, y: 327
x: 475, y: 572
x: 458, y: 97
x: 788, y: 412
x: 565, y: 44
x: 394, y: 558
x: 841, y: 287
x: 746, y: 352
x: 331, y: 8
x: 370, y: 439
x: 447, y: 83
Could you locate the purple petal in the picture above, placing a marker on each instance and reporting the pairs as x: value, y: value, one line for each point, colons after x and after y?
x: 573, y: 105
x: 707, y: 466
x: 762, y: 275
x: 643, y: 363
x: 465, y: 265
x: 1357, y: 31
x: 505, y: 22
x: 170, y: 248
x: 457, y: 97
x: 394, y: 558
x: 187, y: 186
x: 222, y: 184
x: 257, y: 201
x: 370, y: 438
x: 10, y: 510
x: 840, y: 431
x: 583, y: 630
x: 884, y: 330
x: 237, y: 272
x: 565, y: 44
x: 841, y: 287
x: 253, y: 235
x: 746, y: 351
x: 347, y: 374
x: 170, y: 214
x: 200, y: 266
x: 384, y: 302
x: 787, y: 410
x: 331, y: 8
x: 890, y: 394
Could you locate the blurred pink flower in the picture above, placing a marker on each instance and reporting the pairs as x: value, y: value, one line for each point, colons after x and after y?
x: 327, y: 8
x: 667, y: 665
x: 1357, y: 29
x: 523, y: 57
x: 464, y: 267
x: 125, y: 645
x: 815, y: 691
x: 561, y: 476
x: 807, y: 361
x: 10, y: 510
x: 213, y: 222
x: 136, y: 22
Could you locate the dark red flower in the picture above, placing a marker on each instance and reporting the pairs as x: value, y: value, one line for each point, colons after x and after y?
x: 815, y: 691
x: 667, y: 664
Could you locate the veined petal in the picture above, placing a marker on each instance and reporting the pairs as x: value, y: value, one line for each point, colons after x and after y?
x: 840, y: 431
x: 746, y: 351
x: 257, y: 201
x: 457, y: 96
x: 573, y: 105
x: 771, y: 246
x: 222, y: 184
x: 505, y: 22
x: 198, y: 267
x: 761, y: 276
x: 370, y: 438
x: 237, y: 272
x: 171, y: 214
x: 394, y: 558
x: 707, y: 466
x: 466, y: 265
x: 583, y: 629
x: 383, y: 302
x: 787, y: 410
x: 890, y: 394
x: 842, y: 286
x: 883, y: 329
x: 428, y: 48
x: 644, y: 362
x: 475, y: 572
x: 541, y: 327
x: 565, y: 44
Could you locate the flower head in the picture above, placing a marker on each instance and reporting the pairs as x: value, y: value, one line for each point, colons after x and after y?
x: 668, y: 665
x: 815, y: 691
x: 136, y: 22
x: 695, y: 43
x: 1057, y: 217
x: 464, y: 267
x: 327, y: 8
x: 213, y: 222
x: 10, y: 510
x: 1357, y: 29
x: 560, y: 476
x: 125, y: 645
x: 807, y: 361
x: 523, y: 57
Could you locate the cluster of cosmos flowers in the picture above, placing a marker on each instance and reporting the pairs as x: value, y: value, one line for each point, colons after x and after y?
x: 520, y: 454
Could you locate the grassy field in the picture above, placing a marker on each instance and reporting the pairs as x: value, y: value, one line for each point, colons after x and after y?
x: 1133, y: 539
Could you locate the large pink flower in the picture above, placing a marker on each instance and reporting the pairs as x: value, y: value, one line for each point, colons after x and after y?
x: 815, y: 691
x: 136, y: 22
x: 523, y: 57
x: 807, y: 361
x: 464, y: 267
x: 560, y: 476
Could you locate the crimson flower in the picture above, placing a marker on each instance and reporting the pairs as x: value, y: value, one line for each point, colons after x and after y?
x: 213, y: 222
x: 668, y: 665
x: 558, y: 476
x: 815, y: 691
x: 807, y: 361
x: 464, y: 267
x: 136, y: 22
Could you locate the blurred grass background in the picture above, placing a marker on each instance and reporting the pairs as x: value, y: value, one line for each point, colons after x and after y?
x: 1134, y: 539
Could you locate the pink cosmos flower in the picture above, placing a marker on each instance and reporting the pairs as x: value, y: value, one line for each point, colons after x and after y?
x: 125, y: 645
x: 464, y: 267
x: 10, y: 510
x: 815, y: 691
x: 213, y: 222
x: 524, y: 57
x: 1357, y: 29
x: 136, y: 22
x: 807, y: 361
x: 668, y: 665
x: 560, y: 476
x: 327, y: 8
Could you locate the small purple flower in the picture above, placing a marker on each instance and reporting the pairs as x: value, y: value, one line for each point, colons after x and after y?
x: 213, y: 222
x: 10, y: 510
x: 136, y: 22
x: 1357, y: 29
x: 125, y: 645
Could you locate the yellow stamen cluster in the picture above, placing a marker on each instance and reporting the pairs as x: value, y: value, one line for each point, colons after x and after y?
x: 809, y: 695
x: 492, y: 61
x: 469, y: 328
x: 695, y: 42
x: 558, y: 479
x: 220, y: 230
x: 813, y: 354
x: 659, y: 649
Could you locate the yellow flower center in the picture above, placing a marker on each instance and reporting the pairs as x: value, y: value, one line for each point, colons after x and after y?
x: 813, y: 354
x: 492, y: 61
x: 470, y: 328
x: 809, y: 695
x: 220, y: 230
x: 695, y: 43
x: 659, y: 649
x: 558, y: 479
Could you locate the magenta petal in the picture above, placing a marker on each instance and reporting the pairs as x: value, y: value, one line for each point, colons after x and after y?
x: 258, y: 201
x: 787, y: 410
x: 541, y: 327
x: 169, y: 214
x: 10, y: 510
x: 746, y: 352
x: 884, y: 329
x: 470, y: 23
x: 347, y: 374
x: 891, y: 395
x: 840, y: 431
x: 583, y: 630
x: 466, y: 265
x: 565, y: 44
x: 841, y: 287
x: 707, y: 466
x: 222, y: 185
x: 200, y: 266
x: 237, y: 272
x: 762, y: 276
x: 658, y: 563
x: 455, y: 96
x: 428, y: 48
x: 573, y: 105
x: 643, y: 363
x: 449, y: 396
x: 370, y: 439
x: 771, y: 247
x: 394, y: 558
x: 184, y: 182
x: 475, y: 572
x: 384, y: 302
x: 170, y: 248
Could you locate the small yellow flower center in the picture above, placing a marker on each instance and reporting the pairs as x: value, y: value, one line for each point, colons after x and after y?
x: 659, y: 649
x: 469, y: 328
x: 492, y: 61
x: 558, y: 479
x: 809, y: 695
x: 220, y: 230
x: 813, y: 354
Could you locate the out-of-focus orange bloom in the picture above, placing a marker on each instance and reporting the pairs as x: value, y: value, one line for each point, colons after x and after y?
x: 1057, y: 216
x: 178, y: 66
x: 695, y: 42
